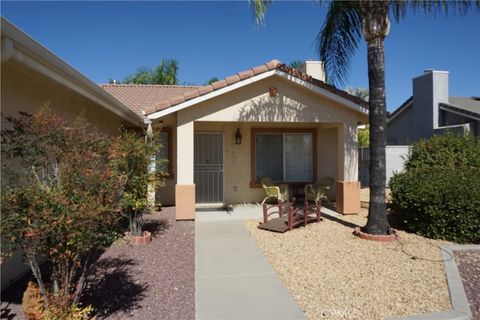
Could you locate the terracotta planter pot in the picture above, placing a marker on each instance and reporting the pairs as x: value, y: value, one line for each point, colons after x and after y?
x: 144, y: 239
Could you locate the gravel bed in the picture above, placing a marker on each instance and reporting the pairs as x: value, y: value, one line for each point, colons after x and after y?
x: 468, y: 262
x: 156, y: 281
x: 334, y: 275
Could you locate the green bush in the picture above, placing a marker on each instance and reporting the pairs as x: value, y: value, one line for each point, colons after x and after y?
x: 445, y: 151
x: 438, y: 195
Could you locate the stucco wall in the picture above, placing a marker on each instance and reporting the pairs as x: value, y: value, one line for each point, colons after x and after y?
x: 401, y: 131
x: 26, y: 90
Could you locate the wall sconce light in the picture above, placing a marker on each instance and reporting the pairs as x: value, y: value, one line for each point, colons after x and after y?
x: 273, y: 91
x: 238, y: 137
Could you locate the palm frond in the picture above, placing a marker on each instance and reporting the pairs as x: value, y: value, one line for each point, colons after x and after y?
x: 433, y: 7
x: 338, y: 40
x: 259, y: 10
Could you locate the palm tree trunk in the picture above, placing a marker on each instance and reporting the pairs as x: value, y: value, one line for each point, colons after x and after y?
x: 377, y: 219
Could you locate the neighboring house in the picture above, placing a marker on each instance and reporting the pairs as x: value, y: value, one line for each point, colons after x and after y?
x: 220, y: 139
x: 32, y: 76
x: 432, y: 111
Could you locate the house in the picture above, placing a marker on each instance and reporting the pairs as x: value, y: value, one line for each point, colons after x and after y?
x: 432, y: 111
x: 220, y: 139
x: 270, y: 120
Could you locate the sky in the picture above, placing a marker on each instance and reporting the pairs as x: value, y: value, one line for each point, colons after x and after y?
x: 110, y: 40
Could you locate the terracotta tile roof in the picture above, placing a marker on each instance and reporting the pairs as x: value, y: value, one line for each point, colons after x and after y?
x: 142, y: 97
x: 153, y: 98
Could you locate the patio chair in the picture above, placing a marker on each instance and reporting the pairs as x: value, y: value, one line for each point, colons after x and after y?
x: 276, y: 196
x: 314, y: 195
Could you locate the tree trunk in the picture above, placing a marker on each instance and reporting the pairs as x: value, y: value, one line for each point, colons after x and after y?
x: 377, y: 219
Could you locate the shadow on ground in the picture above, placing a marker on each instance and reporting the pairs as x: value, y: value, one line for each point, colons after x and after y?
x: 112, y: 288
x: 155, y: 226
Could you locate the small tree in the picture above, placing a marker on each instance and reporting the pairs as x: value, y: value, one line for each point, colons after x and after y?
x: 133, y: 160
x: 58, y: 199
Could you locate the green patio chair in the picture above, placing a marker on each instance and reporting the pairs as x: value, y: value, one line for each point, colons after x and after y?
x: 276, y: 196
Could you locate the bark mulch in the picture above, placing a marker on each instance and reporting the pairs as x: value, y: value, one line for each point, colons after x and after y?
x: 468, y: 262
x: 156, y: 281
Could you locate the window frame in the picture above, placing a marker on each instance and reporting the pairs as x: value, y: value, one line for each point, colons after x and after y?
x: 168, y: 132
x: 253, y: 154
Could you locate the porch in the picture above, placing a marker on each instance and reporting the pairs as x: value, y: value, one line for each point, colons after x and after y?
x: 222, y: 170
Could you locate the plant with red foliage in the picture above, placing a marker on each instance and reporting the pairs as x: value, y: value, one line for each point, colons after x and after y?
x: 59, y: 196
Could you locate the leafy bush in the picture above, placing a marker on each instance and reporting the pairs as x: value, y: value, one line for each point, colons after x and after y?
x: 445, y: 151
x: 438, y: 195
x: 133, y: 159
x: 59, y: 196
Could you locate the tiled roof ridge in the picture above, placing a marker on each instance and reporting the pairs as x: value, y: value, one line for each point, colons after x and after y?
x: 145, y: 85
x: 271, y: 65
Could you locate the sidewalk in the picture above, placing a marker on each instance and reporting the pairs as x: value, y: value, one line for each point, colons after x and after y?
x: 232, y: 277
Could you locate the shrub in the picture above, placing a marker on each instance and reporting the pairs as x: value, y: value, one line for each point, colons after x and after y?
x: 438, y: 194
x: 133, y: 160
x: 445, y: 151
x: 58, y: 198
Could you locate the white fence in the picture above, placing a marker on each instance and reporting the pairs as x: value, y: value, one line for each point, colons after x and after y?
x: 394, y: 156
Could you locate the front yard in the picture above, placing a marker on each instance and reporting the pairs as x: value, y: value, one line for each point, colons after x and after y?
x: 156, y: 281
x: 332, y: 274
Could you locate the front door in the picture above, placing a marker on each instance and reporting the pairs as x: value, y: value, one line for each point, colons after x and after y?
x: 208, y: 167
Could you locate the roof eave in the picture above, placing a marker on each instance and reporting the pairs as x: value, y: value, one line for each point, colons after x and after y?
x: 353, y: 106
x: 20, y: 47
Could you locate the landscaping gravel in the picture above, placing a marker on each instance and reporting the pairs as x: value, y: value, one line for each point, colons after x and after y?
x: 334, y: 275
x: 156, y: 281
x: 468, y: 262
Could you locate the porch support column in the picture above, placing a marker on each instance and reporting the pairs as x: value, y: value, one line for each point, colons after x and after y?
x: 348, y: 186
x: 185, y: 187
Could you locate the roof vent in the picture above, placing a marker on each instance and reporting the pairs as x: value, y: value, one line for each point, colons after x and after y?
x: 428, y: 70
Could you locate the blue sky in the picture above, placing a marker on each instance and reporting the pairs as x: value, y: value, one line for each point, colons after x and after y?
x: 106, y: 40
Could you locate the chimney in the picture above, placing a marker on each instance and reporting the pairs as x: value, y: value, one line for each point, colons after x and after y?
x: 429, y: 89
x: 314, y: 69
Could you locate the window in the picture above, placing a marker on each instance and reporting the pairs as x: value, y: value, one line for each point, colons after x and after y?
x: 165, y: 152
x: 287, y: 156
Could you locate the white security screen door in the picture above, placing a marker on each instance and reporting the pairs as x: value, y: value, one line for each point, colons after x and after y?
x: 208, y: 167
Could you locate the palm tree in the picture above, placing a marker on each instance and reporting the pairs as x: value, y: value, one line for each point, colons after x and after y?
x: 165, y: 73
x: 362, y: 93
x: 345, y: 24
x: 296, y: 64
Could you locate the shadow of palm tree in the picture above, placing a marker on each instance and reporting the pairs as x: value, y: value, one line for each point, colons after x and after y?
x: 111, y: 287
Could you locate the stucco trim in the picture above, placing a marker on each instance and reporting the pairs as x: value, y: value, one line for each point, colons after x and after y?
x: 458, y: 111
x: 345, y: 102
x: 254, y: 131
x: 25, y: 50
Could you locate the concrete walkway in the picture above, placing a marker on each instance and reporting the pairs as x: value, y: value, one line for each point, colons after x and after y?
x: 232, y: 277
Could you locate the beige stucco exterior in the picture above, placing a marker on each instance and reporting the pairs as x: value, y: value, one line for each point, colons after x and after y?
x: 26, y: 90
x: 251, y: 107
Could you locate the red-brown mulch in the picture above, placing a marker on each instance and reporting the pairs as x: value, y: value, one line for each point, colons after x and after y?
x: 468, y: 262
x: 156, y: 281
